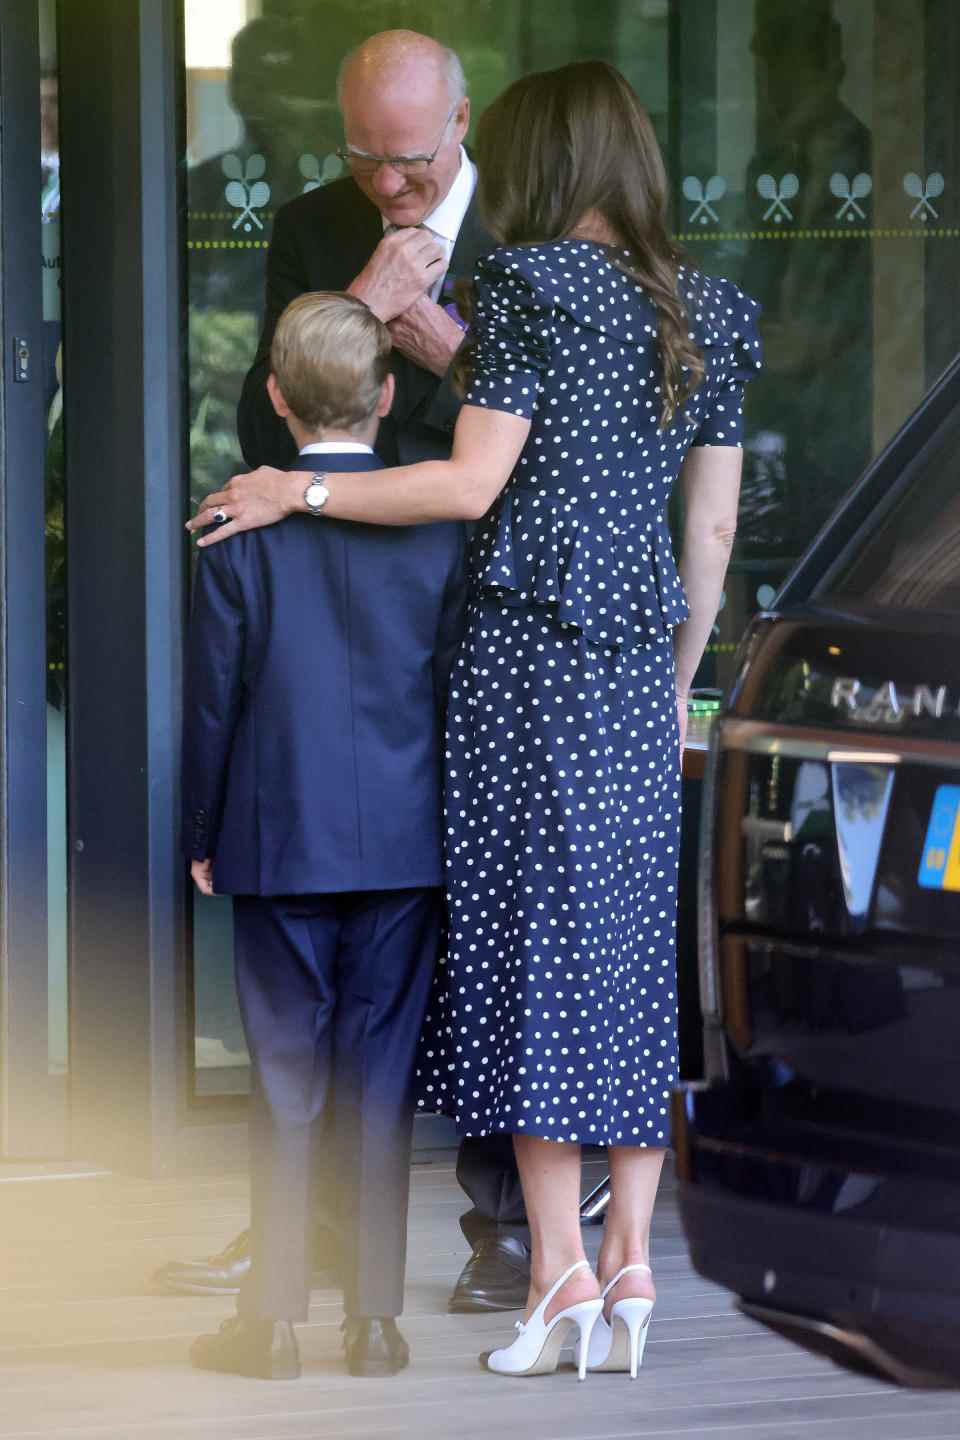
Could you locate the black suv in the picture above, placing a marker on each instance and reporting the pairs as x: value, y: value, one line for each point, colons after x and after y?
x: 820, y: 1159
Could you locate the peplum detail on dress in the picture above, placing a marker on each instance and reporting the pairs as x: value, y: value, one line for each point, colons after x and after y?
x: 617, y: 584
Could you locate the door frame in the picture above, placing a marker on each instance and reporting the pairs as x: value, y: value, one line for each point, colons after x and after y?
x: 124, y: 422
x: 33, y: 1108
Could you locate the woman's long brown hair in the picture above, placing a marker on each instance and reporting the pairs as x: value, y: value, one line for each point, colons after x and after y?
x: 560, y: 144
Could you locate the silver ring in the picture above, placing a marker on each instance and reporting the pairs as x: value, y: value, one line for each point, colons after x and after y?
x: 220, y: 516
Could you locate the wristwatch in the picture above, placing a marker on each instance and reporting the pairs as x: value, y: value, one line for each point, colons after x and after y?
x: 316, y: 495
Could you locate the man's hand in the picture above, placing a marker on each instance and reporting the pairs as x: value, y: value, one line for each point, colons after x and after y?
x: 402, y: 268
x: 261, y: 497
x: 202, y: 872
x: 427, y: 335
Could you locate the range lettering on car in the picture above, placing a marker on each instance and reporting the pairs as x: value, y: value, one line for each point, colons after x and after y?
x: 890, y: 704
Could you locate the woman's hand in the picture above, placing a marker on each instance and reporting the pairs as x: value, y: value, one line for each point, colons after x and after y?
x: 261, y: 497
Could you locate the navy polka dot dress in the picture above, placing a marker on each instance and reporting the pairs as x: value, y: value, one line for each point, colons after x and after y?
x: 554, y: 1013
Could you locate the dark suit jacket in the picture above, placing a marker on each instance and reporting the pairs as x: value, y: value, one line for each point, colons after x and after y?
x: 319, y: 656
x: 321, y: 241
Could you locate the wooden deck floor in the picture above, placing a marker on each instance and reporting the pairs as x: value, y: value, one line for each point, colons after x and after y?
x: 85, y: 1352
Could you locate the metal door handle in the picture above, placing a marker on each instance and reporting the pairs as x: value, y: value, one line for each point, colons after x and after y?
x: 753, y: 828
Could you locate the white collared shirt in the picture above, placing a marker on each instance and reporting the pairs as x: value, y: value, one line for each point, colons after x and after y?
x: 337, y: 447
x: 445, y: 221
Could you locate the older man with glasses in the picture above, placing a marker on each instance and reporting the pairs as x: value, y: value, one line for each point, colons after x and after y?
x: 396, y: 233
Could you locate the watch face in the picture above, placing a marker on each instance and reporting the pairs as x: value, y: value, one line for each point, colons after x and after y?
x: 316, y: 495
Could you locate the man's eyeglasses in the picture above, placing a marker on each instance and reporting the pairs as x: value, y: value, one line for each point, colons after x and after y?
x: 362, y: 163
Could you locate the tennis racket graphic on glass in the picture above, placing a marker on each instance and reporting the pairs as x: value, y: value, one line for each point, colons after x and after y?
x: 923, y: 192
x: 778, y: 194
x: 246, y: 191
x: 850, y: 192
x: 704, y: 197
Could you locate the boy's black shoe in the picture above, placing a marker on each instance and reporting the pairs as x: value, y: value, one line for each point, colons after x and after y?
x: 261, y: 1349
x: 374, y: 1346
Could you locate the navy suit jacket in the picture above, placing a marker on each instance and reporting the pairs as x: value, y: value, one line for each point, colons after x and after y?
x: 319, y: 658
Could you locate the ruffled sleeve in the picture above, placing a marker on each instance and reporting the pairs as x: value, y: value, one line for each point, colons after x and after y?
x: 733, y: 355
x: 511, y: 335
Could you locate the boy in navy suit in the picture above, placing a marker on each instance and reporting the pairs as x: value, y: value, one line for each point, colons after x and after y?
x: 319, y: 659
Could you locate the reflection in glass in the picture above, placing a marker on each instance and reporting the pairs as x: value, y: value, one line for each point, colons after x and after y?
x: 811, y: 139
x: 815, y: 288
x: 861, y: 799
x: 55, y: 547
x: 912, y: 558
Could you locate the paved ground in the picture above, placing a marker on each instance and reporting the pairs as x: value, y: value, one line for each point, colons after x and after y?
x: 84, y: 1352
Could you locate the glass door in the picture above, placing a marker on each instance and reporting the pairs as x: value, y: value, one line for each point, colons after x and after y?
x: 34, y: 1046
x: 815, y: 161
x: 262, y: 127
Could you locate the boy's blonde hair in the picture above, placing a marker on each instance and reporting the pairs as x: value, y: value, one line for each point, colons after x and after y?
x: 330, y: 355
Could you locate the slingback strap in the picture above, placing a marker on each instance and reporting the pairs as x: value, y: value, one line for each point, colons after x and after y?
x: 619, y: 1276
x: 545, y: 1302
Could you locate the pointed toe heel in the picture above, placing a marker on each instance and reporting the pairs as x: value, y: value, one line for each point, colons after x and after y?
x: 536, y: 1350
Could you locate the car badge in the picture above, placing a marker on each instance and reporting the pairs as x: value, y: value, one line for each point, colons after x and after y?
x: 891, y: 704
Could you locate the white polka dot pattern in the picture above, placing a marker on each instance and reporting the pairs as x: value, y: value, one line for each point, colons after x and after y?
x: 554, y: 1013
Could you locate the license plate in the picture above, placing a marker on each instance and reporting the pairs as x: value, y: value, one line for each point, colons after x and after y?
x: 940, y: 864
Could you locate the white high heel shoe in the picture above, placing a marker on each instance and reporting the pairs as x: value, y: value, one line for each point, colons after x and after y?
x: 537, y: 1347
x: 620, y: 1346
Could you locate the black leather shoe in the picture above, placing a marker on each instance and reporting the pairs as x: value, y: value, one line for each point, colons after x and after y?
x: 215, y: 1275
x: 374, y: 1346
x: 222, y: 1274
x: 261, y: 1349
x: 496, y: 1277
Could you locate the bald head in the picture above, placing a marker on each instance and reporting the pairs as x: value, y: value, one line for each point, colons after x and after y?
x: 402, y: 59
x: 403, y: 95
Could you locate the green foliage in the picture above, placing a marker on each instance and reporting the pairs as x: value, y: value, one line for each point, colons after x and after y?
x: 222, y: 346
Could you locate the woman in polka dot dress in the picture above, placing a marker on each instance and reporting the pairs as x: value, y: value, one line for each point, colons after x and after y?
x: 554, y: 1016
x: 602, y: 371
